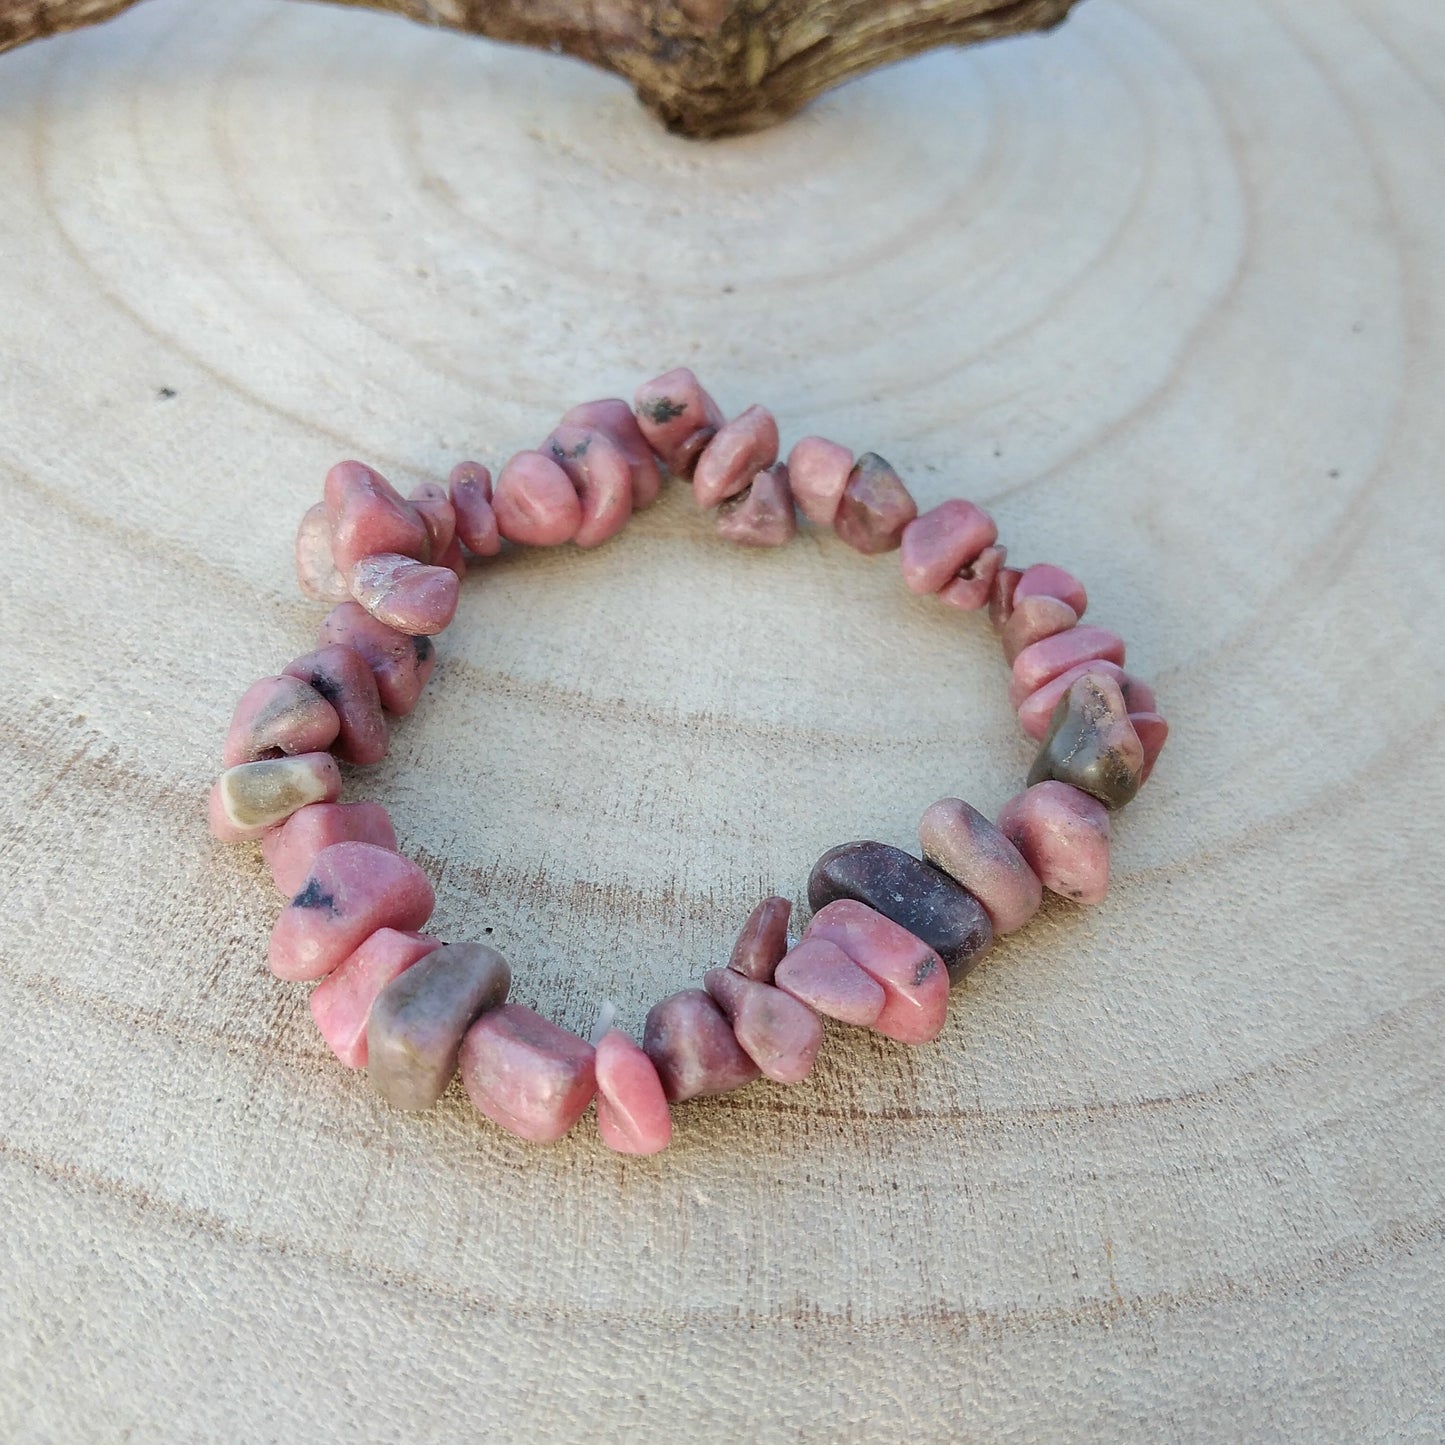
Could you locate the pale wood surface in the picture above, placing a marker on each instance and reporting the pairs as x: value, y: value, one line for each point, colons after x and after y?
x: 1166, y: 290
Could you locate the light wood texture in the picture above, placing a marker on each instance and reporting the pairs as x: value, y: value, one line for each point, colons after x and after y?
x: 1166, y: 291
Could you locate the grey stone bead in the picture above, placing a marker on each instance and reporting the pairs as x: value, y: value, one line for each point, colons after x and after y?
x: 1091, y: 745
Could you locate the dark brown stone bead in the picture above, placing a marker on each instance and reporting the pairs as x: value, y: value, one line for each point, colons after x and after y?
x: 1091, y: 745
x: 875, y: 507
x: 763, y: 941
x: 916, y: 896
x: 693, y: 1047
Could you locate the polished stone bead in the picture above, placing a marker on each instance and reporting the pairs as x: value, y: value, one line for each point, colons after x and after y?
x: 819, y: 470
x: 535, y: 502
x: 693, y: 1048
x: 614, y: 416
x: 1043, y: 661
x: 875, y: 507
x: 316, y: 571
x: 412, y: 597
x: 741, y: 449
x: 432, y: 503
x: 341, y: 1002
x: 290, y: 849
x: 1001, y: 597
x: 279, y: 715
x: 368, y: 515
x: 632, y: 1112
x: 341, y: 675
x: 960, y: 841
x: 1063, y: 835
x: 1038, y: 708
x: 417, y: 1024
x: 822, y: 976
x: 938, y: 544
x: 454, y: 559
x: 600, y: 473
x: 762, y: 514
x: 470, y: 489
x: 1153, y: 734
x: 973, y: 586
x: 525, y: 1073
x: 678, y: 419
x: 763, y: 941
x: 780, y: 1034
x: 1043, y: 579
x: 929, y: 904
x: 401, y: 663
x: 252, y: 797
x: 1032, y: 620
x: 1091, y: 744
x: 352, y: 890
x: 913, y: 977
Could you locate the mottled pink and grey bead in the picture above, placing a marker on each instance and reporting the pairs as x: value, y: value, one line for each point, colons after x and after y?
x: 600, y: 473
x: 1153, y: 733
x: 780, y: 1034
x: 316, y: 571
x: 431, y: 502
x: 290, y: 849
x: 819, y: 470
x: 251, y: 797
x: 470, y: 489
x: 1036, y: 709
x: 1091, y: 743
x: 401, y: 663
x: 368, y: 515
x: 875, y: 507
x: 822, y: 976
x: 1063, y: 835
x: 632, y: 1112
x: 411, y: 596
x: 417, y: 1024
x: 1033, y: 619
x: 1043, y: 579
x: 1041, y: 662
x: 692, y: 1046
x: 763, y: 941
x: 973, y: 586
x: 279, y: 715
x: 1001, y: 596
x: 525, y: 1073
x: 614, y: 416
x: 914, y: 980
x: 535, y: 502
x: 761, y: 515
x: 352, y: 890
x: 341, y: 1002
x: 960, y: 841
x: 938, y: 544
x: 677, y: 417
x: 741, y: 449
x: 340, y: 674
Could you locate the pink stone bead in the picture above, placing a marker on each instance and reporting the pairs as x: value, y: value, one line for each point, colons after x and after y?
x: 739, y: 451
x: 368, y: 515
x: 251, y: 797
x: 914, y: 980
x: 1036, y: 709
x: 693, y: 1047
x: 875, y: 507
x: 1045, y: 580
x: 1042, y: 662
x: 454, y: 559
x: 341, y: 676
x: 431, y: 502
x: 615, y: 417
x: 1033, y: 619
x: 352, y: 890
x: 940, y: 543
x: 471, y: 498
x: 600, y: 473
x: 410, y: 596
x: 632, y: 1112
x: 535, y: 502
x: 1001, y: 596
x: 780, y: 1034
x: 973, y: 586
x: 678, y: 418
x: 526, y: 1074
x: 1138, y: 695
x: 819, y: 470
x: 763, y: 941
x: 279, y: 715
x: 316, y: 572
x: 1063, y: 835
x: 291, y: 849
x: 762, y: 515
x: 341, y: 1002
x: 822, y: 976
x: 1153, y: 733
x: 960, y: 841
x: 401, y: 664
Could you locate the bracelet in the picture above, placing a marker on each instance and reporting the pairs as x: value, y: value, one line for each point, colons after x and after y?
x: 889, y: 933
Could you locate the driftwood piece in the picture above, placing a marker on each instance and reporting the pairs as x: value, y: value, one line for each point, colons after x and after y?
x: 703, y: 67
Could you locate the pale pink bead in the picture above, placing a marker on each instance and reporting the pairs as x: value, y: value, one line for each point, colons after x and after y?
x: 410, y: 596
x: 677, y: 417
x: 341, y: 1002
x: 471, y: 497
x: 251, y: 797
x: 431, y: 501
x: 822, y: 976
x: 913, y: 977
x: 960, y: 841
x: 1153, y: 733
x: 340, y: 674
x: 615, y: 417
x: 526, y: 1074
x: 600, y: 473
x: 535, y: 502
x: 762, y: 515
x: 972, y: 588
x: 1001, y: 596
x: 778, y: 1033
x: 1063, y: 835
x: 632, y: 1112
x: 819, y: 470
x: 291, y: 848
x: 279, y: 715
x: 352, y: 890
x: 1043, y: 661
x: 401, y: 664
x: 1043, y: 579
x: 938, y: 544
x: 316, y: 572
x: 368, y: 515
x: 739, y: 451
x: 1033, y: 619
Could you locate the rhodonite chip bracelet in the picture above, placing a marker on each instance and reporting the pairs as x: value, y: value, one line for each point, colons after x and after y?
x: 889, y: 932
